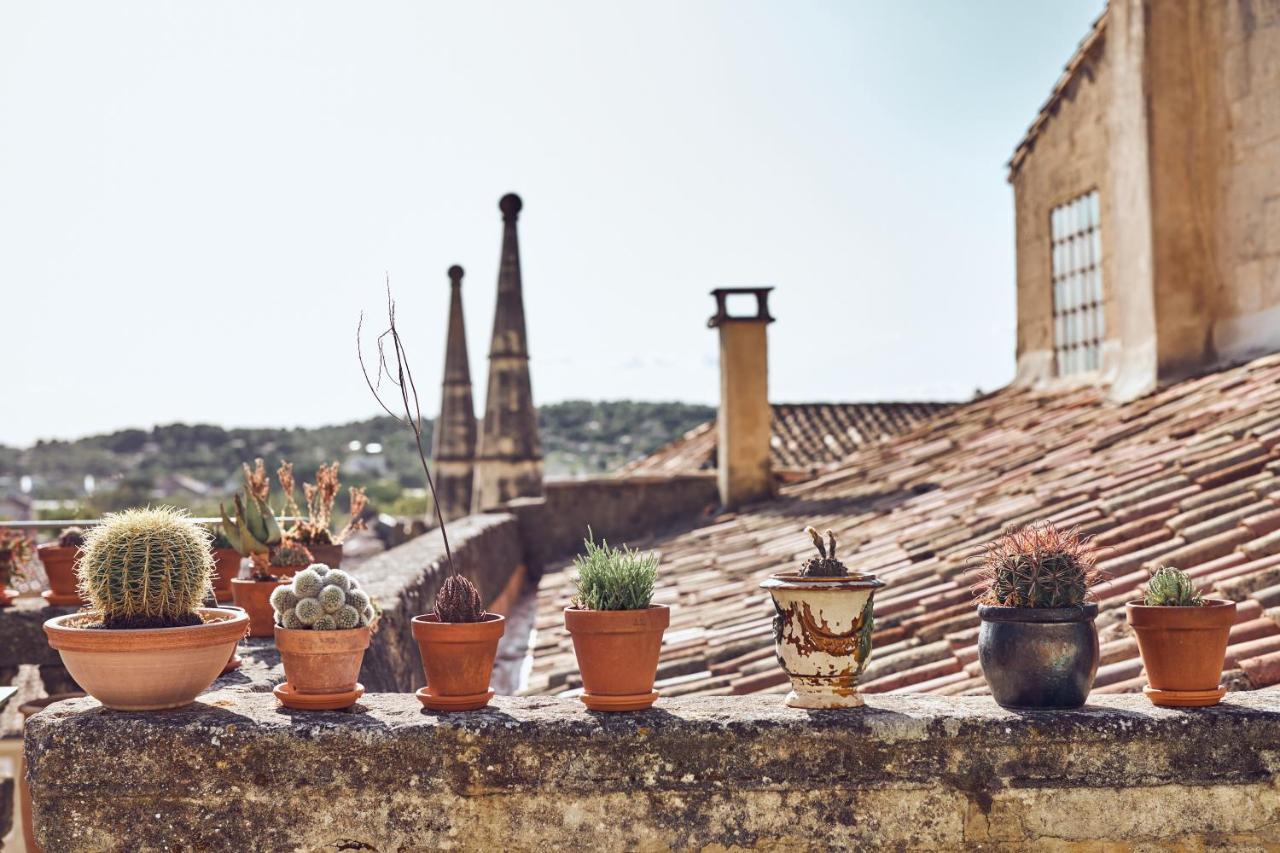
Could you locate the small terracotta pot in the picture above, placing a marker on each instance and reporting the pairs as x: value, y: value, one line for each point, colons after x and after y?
x: 617, y: 653
x: 330, y: 555
x: 146, y: 669
x: 1183, y: 650
x: 254, y: 597
x: 7, y: 596
x: 226, y: 568
x: 457, y: 659
x: 60, y: 568
x: 322, y: 663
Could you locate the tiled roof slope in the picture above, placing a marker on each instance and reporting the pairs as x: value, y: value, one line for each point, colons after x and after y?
x: 806, y: 436
x: 1189, y: 475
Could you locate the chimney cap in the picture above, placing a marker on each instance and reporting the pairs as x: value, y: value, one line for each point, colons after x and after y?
x: 455, y: 274
x: 722, y: 310
x: 510, y: 205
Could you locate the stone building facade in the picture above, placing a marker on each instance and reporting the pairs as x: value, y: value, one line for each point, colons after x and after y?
x: 1147, y: 197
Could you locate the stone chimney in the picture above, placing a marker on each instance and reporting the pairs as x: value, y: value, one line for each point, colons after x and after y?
x: 509, y: 461
x: 453, y: 443
x: 744, y: 423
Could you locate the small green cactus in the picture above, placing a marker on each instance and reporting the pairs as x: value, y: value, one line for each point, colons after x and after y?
x: 322, y: 599
x: 146, y: 568
x: 1170, y: 587
x: 1038, y: 566
x: 290, y: 555
x: 825, y: 565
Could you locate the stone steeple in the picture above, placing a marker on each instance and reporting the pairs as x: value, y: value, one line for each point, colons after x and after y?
x: 509, y: 461
x: 453, y: 442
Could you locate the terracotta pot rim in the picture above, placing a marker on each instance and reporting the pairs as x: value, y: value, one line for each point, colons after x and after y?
x: 55, y: 550
x: 255, y: 580
x: 224, y: 625
x: 580, y: 620
x: 1215, y: 612
x: 308, y: 641
x: 794, y: 580
x: 1086, y: 612
x: 427, y: 627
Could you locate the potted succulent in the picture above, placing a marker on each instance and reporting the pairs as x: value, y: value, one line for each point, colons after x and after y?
x: 1038, y: 644
x: 822, y: 627
x: 458, y: 642
x: 1183, y: 640
x: 146, y: 643
x: 254, y: 532
x: 313, y: 531
x: 59, y: 559
x: 15, y: 554
x: 226, y: 563
x: 616, y: 630
x: 323, y: 623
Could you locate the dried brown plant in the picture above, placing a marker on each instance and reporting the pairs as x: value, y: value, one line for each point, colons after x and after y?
x: 256, y: 481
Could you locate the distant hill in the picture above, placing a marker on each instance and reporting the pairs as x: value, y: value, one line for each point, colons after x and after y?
x: 198, y: 463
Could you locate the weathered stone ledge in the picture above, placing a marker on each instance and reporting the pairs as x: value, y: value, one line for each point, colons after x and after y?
x: 236, y: 771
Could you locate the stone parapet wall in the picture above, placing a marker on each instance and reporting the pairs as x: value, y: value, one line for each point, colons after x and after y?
x: 235, y: 771
x: 617, y: 508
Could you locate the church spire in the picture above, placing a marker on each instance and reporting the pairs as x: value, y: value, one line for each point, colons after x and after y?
x: 453, y: 443
x: 509, y: 461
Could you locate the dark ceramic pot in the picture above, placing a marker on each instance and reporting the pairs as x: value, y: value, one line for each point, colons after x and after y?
x: 1036, y: 657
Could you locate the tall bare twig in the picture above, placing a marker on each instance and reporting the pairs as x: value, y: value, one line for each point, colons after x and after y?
x: 402, y: 379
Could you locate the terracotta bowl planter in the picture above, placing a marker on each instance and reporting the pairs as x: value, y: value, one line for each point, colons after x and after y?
x: 146, y: 669
x: 60, y: 568
x: 617, y: 653
x: 1183, y: 650
x: 457, y: 658
x: 322, y: 667
x: 254, y: 597
x: 226, y: 568
x: 1039, y: 657
x: 822, y: 633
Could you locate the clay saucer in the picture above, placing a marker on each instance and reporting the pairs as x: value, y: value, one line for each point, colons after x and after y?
x: 1184, y: 698
x: 624, y: 702
x: 54, y: 599
x: 469, y: 702
x: 233, y: 664
x: 291, y: 698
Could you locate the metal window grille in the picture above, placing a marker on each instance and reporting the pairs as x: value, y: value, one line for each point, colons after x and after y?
x: 1079, y: 324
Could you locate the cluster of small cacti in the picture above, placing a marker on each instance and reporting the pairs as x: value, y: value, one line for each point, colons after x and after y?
x: 1038, y: 566
x: 146, y: 568
x: 825, y: 565
x: 15, y: 553
x: 71, y: 537
x: 322, y: 599
x: 458, y: 600
x: 1170, y: 587
x: 290, y: 555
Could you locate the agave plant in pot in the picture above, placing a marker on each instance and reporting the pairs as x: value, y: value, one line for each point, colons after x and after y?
x: 255, y: 533
x: 1183, y: 640
x: 323, y: 624
x: 458, y: 640
x: 226, y: 563
x: 615, y: 627
x: 146, y: 643
x: 1038, y: 644
x: 314, y: 530
x: 822, y: 627
x: 59, y: 559
x: 15, y: 554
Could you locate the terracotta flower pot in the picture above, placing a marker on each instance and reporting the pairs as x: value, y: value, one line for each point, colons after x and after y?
x: 226, y: 568
x: 60, y: 568
x: 1183, y: 650
x: 330, y: 555
x: 457, y: 658
x: 146, y: 669
x: 254, y: 597
x: 1039, y: 657
x: 822, y: 633
x: 322, y: 665
x: 617, y: 653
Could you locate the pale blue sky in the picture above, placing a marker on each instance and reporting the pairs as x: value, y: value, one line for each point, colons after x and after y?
x: 197, y: 199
